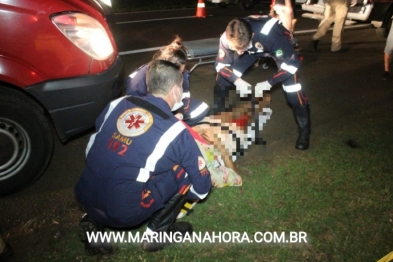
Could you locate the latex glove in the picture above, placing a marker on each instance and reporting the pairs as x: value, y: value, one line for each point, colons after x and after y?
x: 185, y: 95
x: 242, y: 87
x: 179, y: 116
x: 260, y: 87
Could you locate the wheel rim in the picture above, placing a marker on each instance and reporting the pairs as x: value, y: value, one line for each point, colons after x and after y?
x: 15, y: 148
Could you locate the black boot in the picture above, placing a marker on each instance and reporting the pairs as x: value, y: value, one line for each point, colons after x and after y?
x: 88, y: 226
x: 302, y: 116
x: 162, y: 221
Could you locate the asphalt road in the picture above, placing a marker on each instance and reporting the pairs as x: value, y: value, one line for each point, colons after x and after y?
x: 142, y: 30
x: 342, y: 89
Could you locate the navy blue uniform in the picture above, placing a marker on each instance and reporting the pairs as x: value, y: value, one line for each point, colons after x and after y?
x: 270, y: 39
x: 193, y: 110
x: 140, y: 156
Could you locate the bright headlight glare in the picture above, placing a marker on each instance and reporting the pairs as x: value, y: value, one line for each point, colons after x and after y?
x: 86, y: 33
x: 107, y: 2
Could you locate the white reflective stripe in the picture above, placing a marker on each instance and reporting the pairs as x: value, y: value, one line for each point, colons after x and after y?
x: 237, y: 73
x: 292, y: 88
x: 200, y: 196
x: 143, y: 175
x: 289, y: 68
x: 186, y: 95
x: 133, y: 74
x: 159, y: 150
x: 112, y: 106
x: 201, y: 5
x: 221, y: 66
x: 268, y: 26
x: 199, y: 110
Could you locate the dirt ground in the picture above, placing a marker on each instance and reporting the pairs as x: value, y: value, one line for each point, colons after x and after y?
x: 342, y: 90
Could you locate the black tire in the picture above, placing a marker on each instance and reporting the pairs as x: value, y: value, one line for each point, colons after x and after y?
x: 26, y: 140
x: 246, y: 4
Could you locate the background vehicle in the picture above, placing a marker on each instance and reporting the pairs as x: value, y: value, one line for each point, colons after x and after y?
x: 246, y: 4
x: 377, y: 12
x: 58, y: 65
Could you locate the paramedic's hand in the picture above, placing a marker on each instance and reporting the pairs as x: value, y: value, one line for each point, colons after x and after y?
x: 179, y: 116
x: 260, y: 87
x: 242, y: 87
x: 185, y: 95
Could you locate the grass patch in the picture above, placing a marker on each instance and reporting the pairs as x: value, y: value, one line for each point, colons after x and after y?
x: 341, y: 196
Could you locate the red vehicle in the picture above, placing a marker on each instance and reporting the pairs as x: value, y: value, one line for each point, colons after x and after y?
x: 59, y: 67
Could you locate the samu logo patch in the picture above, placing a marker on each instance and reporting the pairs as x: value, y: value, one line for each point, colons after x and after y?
x: 279, y: 53
x: 134, y: 122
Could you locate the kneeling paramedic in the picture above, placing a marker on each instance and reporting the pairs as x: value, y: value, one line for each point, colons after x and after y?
x: 142, y: 163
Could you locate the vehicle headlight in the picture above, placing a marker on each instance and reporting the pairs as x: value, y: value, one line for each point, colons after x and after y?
x: 107, y: 2
x: 86, y: 33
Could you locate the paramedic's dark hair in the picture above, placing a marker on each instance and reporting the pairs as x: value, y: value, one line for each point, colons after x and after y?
x: 239, y: 33
x: 175, y: 52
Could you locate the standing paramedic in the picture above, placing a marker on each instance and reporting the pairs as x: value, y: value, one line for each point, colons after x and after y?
x: 244, y: 42
x: 142, y: 163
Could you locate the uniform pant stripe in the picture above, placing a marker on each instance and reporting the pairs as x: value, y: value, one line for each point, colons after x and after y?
x: 292, y: 88
x: 289, y: 68
x: 200, y: 196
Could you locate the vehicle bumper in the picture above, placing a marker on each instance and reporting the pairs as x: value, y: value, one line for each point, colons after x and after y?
x: 75, y: 103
